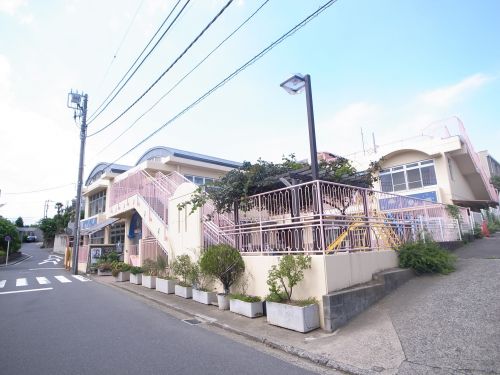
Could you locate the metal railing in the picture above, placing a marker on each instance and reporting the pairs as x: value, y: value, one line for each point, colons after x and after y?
x: 323, y: 217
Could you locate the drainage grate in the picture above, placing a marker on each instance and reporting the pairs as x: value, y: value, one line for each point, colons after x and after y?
x: 192, y: 322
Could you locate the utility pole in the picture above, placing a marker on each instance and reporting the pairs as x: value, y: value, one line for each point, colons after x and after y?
x: 78, y: 102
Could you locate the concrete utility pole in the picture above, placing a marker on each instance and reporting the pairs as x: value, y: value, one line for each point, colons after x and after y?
x: 79, y: 103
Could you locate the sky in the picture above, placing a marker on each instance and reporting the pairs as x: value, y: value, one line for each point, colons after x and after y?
x: 388, y: 67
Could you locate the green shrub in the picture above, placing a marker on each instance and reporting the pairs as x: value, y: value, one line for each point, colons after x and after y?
x: 478, y: 233
x: 244, y: 297
x: 288, y: 273
x: 224, y: 263
x: 183, y: 267
x: 426, y: 257
x: 120, y: 267
x: 9, y: 229
x: 135, y: 270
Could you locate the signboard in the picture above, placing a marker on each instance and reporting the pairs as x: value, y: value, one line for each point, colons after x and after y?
x: 98, y: 251
x: 7, y: 238
x: 88, y: 223
x: 398, y: 202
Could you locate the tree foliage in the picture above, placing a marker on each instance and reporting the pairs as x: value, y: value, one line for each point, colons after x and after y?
x: 286, y: 275
x: 250, y: 179
x: 9, y: 229
x: 57, y: 224
x: 19, y: 222
x: 224, y: 263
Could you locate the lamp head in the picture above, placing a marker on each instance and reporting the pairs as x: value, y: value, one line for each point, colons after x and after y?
x: 295, y: 84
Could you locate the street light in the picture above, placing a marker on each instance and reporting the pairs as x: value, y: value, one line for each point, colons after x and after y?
x: 294, y: 85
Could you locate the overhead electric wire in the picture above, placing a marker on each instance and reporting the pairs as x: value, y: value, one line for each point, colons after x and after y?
x: 257, y: 57
x: 100, y: 109
x: 120, y: 45
x: 185, y: 76
x: 167, y: 70
x: 41, y: 190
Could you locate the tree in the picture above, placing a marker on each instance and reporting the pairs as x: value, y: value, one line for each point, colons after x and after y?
x: 9, y: 229
x: 288, y: 273
x: 249, y: 179
x: 59, y: 207
x: 19, y: 222
x: 224, y: 263
x: 49, y: 228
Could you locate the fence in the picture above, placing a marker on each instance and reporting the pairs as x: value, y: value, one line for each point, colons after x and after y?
x: 323, y: 217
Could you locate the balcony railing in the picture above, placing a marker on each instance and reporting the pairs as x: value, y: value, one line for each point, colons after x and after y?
x: 324, y: 217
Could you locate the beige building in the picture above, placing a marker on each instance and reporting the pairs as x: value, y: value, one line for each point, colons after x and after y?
x: 108, y: 225
x: 439, y: 165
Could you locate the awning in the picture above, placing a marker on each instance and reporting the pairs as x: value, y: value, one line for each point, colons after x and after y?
x: 98, y: 226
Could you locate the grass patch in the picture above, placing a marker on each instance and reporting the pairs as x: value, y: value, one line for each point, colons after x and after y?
x: 245, y: 298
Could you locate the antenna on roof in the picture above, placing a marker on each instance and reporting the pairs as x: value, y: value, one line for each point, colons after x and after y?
x: 374, y: 144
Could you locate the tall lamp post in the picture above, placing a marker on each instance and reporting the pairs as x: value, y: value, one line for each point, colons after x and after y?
x: 294, y: 85
x: 78, y: 102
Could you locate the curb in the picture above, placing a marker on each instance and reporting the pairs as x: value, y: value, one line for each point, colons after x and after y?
x: 19, y: 260
x: 289, y: 349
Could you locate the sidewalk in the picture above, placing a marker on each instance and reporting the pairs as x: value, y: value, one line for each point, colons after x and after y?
x: 431, y: 325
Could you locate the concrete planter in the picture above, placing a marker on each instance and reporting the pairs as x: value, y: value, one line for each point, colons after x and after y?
x: 249, y: 309
x: 165, y: 286
x: 149, y: 281
x: 123, y: 276
x: 297, y: 318
x: 204, y: 297
x: 136, y: 279
x: 223, y: 301
x: 183, y: 291
x: 103, y: 273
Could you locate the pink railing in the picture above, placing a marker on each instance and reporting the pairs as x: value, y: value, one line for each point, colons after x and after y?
x: 151, y: 249
x: 156, y: 191
x: 322, y: 216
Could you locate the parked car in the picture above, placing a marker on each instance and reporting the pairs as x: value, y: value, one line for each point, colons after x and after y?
x: 31, y: 238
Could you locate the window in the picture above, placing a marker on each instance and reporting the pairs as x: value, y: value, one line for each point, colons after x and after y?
x: 117, y: 233
x: 199, y: 180
x: 97, y: 203
x: 408, y: 176
x: 97, y: 237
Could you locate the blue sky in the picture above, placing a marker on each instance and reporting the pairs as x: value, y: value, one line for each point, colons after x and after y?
x: 391, y: 67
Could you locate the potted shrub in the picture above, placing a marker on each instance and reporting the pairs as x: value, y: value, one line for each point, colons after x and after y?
x: 202, y: 287
x: 182, y: 267
x: 224, y: 263
x: 165, y: 281
x: 104, y: 269
x: 150, y: 271
x: 121, y: 271
x: 281, y: 310
x: 246, y: 305
x: 136, y: 275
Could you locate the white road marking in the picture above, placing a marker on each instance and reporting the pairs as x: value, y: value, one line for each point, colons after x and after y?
x: 21, y: 282
x: 2, y: 283
x: 55, y: 256
x: 26, y: 290
x: 42, y: 280
x: 81, y: 278
x: 46, y: 268
x: 62, y: 279
x: 54, y: 259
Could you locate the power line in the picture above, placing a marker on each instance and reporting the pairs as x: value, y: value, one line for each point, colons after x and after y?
x: 185, y: 76
x: 38, y: 191
x: 257, y: 57
x: 120, y: 45
x: 168, y: 69
x: 98, y: 111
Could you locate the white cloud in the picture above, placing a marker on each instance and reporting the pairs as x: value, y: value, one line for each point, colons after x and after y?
x: 342, y: 133
x: 17, y: 8
x: 445, y: 96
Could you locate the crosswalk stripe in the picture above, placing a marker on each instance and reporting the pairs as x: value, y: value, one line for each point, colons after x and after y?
x: 80, y: 277
x: 42, y: 280
x: 2, y: 283
x: 62, y: 279
x: 21, y: 282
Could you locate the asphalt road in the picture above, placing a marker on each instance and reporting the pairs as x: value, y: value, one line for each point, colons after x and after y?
x: 58, y: 324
